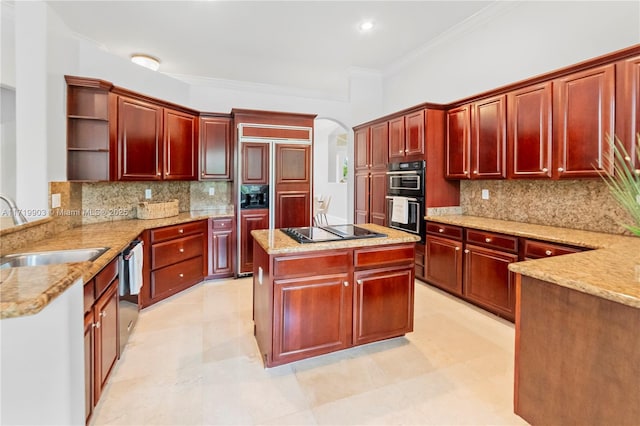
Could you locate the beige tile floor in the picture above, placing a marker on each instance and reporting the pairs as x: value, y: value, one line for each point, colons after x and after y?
x: 192, y: 360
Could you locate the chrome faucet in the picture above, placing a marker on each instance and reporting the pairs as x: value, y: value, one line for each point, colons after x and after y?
x: 16, y: 215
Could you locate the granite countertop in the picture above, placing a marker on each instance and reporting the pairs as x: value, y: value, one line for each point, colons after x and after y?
x: 27, y: 290
x: 610, y: 271
x: 274, y: 241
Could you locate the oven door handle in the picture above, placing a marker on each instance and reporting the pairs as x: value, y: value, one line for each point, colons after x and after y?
x: 409, y: 172
x: 390, y: 197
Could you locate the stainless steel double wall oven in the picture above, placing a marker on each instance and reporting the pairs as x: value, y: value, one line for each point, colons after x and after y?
x: 405, y: 197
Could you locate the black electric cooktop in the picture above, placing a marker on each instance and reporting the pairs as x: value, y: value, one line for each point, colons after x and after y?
x: 318, y: 234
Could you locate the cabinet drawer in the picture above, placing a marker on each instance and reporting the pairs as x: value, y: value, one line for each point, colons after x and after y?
x: 177, y: 276
x: 539, y: 249
x: 176, y: 231
x: 105, y: 277
x: 219, y: 224
x: 384, y: 255
x: 174, y: 251
x: 305, y: 264
x: 492, y: 240
x: 89, y: 295
x: 450, y: 231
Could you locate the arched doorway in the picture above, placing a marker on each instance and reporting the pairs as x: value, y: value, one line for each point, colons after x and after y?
x: 332, y: 168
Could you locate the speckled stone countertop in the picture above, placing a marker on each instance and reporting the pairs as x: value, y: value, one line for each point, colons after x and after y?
x: 274, y: 241
x: 27, y: 290
x: 611, y: 271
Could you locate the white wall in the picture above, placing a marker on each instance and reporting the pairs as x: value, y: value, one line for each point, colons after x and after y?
x: 7, y: 143
x: 324, y: 131
x: 508, y: 42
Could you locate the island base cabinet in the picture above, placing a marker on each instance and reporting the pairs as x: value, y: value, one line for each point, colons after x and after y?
x: 383, y: 304
x: 577, y: 357
x: 312, y: 303
x: 311, y: 316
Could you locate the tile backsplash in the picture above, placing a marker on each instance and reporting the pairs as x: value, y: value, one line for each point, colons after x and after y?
x: 579, y: 204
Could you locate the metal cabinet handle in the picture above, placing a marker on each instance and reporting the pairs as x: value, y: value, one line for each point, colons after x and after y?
x: 544, y: 169
x: 181, y: 275
x: 487, y: 240
x: 93, y: 325
x: 465, y: 172
x: 181, y: 250
x: 466, y: 251
x: 441, y: 230
x: 346, y: 283
x: 103, y: 314
x: 97, y: 325
x: 548, y: 252
x: 202, y: 174
x: 560, y: 169
x: 637, y: 172
x: 475, y: 172
x: 159, y: 174
x: 406, y: 150
x: 180, y: 231
x: 457, y: 248
x: 627, y: 158
x: 359, y: 282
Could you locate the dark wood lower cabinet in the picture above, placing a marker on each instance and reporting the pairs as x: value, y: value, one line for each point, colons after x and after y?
x: 89, y: 367
x: 221, y: 247
x: 443, y: 264
x: 312, y: 303
x: 250, y: 220
x: 488, y: 281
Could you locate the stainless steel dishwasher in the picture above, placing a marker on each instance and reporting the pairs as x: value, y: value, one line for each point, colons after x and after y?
x: 128, y: 292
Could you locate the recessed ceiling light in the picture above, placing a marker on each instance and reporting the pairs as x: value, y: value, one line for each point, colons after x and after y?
x: 146, y: 61
x: 366, y: 26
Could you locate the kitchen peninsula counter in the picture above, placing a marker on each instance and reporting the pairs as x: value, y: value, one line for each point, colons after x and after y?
x: 577, y: 349
x: 312, y: 299
x: 27, y: 290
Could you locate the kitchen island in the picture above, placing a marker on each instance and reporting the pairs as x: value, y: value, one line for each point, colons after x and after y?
x: 312, y: 299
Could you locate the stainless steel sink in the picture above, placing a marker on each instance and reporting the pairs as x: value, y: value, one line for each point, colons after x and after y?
x: 51, y: 257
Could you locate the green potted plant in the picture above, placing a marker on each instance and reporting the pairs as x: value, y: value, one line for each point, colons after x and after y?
x: 624, y: 182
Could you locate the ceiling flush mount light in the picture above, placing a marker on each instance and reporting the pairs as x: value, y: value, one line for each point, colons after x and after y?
x: 146, y: 61
x: 365, y: 26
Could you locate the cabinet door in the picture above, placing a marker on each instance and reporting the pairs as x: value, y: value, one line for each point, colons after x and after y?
x: 361, y: 197
x: 396, y: 139
x: 458, y: 143
x: 377, y: 201
x: 489, y: 138
x: 419, y: 261
x: 250, y: 220
x: 361, y: 148
x: 583, y: 108
x: 215, y: 148
x: 255, y: 163
x: 139, y: 140
x: 293, y: 185
x: 89, y: 368
x: 311, y: 316
x: 414, y: 134
x: 379, y: 146
x: 180, y: 146
x: 443, y: 263
x: 107, y: 340
x: 488, y: 281
x: 221, y: 248
x: 628, y: 106
x: 383, y: 304
x: 529, y: 132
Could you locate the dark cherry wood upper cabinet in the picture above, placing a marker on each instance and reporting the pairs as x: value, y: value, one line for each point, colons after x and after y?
x: 361, y: 145
x: 255, y: 163
x: 583, y: 113
x: 379, y: 137
x: 216, y: 148
x: 180, y: 146
x: 377, y: 200
x: 529, y: 134
x: 396, y: 138
x: 293, y: 163
x: 139, y: 140
x: 628, y: 106
x: 414, y: 134
x: 458, y: 144
x: 489, y: 138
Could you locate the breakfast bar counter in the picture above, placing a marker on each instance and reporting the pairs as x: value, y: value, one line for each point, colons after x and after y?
x: 312, y: 299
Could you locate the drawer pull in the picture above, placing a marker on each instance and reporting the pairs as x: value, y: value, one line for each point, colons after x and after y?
x: 359, y: 282
x: 441, y: 230
x: 97, y: 325
x: 457, y: 248
x: 93, y: 325
x: 544, y: 169
x: 548, y: 252
x: 181, y: 275
x: 466, y: 251
x: 181, y: 250
x: 487, y: 240
x: 103, y: 314
x: 560, y: 169
x: 346, y: 283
